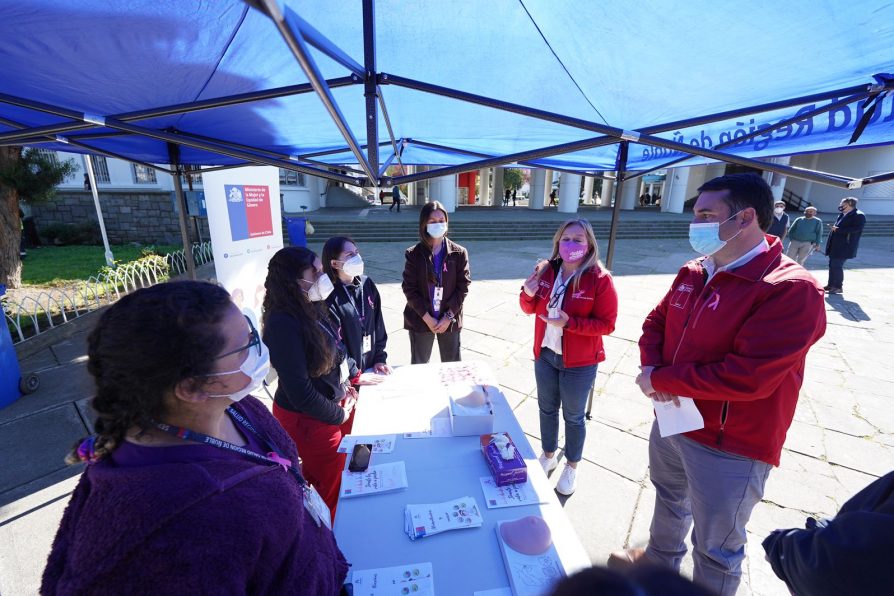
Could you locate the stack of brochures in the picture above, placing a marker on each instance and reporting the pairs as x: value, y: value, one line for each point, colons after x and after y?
x: 434, y: 518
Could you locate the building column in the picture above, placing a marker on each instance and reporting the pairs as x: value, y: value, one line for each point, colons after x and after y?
x: 569, y: 193
x: 608, y: 187
x: 588, y: 190
x: 535, y: 192
x: 443, y: 189
x: 808, y: 186
x: 411, y: 186
x: 775, y: 180
x: 630, y: 193
x: 483, y: 185
x: 498, y: 187
x: 675, y: 184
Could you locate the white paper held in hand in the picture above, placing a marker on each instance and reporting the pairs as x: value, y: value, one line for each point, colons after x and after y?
x: 673, y: 420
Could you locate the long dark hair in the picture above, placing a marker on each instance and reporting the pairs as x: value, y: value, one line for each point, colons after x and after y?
x: 141, y: 348
x: 285, y: 295
x: 334, y: 247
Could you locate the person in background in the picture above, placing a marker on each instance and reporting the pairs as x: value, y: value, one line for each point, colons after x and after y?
x: 714, y: 337
x: 314, y: 399
x: 574, y: 298
x: 805, y: 236
x: 779, y: 221
x: 553, y: 195
x: 843, y: 241
x: 395, y: 198
x: 191, y: 485
x: 436, y: 282
x: 356, y: 305
x: 848, y: 554
x: 514, y: 196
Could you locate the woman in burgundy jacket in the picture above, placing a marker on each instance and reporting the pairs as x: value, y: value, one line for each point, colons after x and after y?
x: 575, y: 301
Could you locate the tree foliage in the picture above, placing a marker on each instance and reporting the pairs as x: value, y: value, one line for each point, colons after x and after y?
x: 35, y: 175
x: 513, y: 178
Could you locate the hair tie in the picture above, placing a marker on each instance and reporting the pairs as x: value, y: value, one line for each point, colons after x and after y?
x: 87, y: 450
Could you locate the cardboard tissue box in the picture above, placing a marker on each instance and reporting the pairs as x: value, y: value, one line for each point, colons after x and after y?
x: 505, y: 471
x: 471, y: 412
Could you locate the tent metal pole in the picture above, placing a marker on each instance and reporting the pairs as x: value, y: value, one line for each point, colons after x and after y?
x: 876, y: 179
x: 616, y: 133
x: 757, y: 133
x: 499, y: 161
x: 529, y: 164
x: 616, y: 210
x: 174, y: 153
x: 295, y: 41
x: 89, y: 148
x: 370, y: 88
x: 397, y: 151
x: 180, y: 108
x: 387, y: 163
x: 273, y: 154
x: 91, y: 175
x: 332, y: 151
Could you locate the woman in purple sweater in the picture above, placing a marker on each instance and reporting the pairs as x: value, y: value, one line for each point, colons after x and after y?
x: 192, y: 487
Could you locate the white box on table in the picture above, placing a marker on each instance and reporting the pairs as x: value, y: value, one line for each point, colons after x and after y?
x: 464, y: 424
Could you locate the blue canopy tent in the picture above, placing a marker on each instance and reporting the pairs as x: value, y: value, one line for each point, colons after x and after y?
x: 342, y: 90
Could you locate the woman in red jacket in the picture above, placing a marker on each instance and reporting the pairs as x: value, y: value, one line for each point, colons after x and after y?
x: 574, y: 299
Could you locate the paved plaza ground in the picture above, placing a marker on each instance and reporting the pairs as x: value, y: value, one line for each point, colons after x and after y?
x: 842, y: 437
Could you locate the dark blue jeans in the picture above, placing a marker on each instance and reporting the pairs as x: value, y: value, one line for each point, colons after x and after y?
x: 836, y: 272
x: 566, y: 387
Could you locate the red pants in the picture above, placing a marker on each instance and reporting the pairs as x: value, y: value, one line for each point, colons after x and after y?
x: 317, y: 444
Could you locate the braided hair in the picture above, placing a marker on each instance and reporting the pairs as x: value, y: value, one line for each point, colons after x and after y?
x: 286, y: 296
x: 141, y: 348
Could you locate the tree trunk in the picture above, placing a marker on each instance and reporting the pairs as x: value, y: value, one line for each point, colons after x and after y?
x: 10, y: 226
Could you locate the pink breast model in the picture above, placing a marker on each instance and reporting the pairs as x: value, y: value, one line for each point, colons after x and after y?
x: 528, y: 535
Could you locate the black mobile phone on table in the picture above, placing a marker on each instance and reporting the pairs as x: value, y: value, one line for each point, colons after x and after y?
x: 360, y: 457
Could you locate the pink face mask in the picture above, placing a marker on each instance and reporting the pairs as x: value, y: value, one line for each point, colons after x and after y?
x: 572, y: 252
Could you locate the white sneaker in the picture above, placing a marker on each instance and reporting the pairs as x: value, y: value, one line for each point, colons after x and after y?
x: 567, y: 481
x: 548, y: 464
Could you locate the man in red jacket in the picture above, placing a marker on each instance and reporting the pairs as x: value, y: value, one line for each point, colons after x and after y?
x: 732, y: 333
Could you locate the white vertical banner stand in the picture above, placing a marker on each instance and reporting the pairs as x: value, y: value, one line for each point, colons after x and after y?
x: 245, y: 220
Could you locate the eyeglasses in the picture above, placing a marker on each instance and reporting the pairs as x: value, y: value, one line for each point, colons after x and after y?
x: 254, y: 341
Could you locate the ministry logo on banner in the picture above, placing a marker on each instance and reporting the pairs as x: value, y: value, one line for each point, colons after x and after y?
x: 249, y: 211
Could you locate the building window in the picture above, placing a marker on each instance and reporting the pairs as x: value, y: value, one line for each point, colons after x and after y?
x: 48, y: 155
x: 100, y: 168
x: 290, y: 178
x: 143, y: 175
x: 195, y: 174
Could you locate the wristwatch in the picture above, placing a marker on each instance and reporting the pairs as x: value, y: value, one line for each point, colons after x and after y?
x: 450, y: 315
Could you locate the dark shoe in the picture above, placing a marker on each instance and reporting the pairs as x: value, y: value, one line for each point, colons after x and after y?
x: 623, y: 559
x: 825, y: 288
x: 835, y: 291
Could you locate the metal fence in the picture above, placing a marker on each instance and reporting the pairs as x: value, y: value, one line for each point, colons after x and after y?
x: 35, y: 314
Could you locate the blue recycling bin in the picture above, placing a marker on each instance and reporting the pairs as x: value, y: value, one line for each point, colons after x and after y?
x: 10, y: 375
x: 297, y: 230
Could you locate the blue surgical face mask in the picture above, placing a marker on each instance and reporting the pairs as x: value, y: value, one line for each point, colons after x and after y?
x: 705, y: 237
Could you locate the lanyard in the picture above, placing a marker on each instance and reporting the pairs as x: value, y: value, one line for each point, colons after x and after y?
x: 273, y: 457
x: 361, y: 312
x: 336, y: 335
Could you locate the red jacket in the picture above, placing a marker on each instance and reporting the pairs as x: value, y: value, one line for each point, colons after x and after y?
x: 737, y: 346
x: 592, y: 311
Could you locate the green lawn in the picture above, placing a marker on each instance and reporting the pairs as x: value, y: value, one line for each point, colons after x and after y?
x: 54, y: 265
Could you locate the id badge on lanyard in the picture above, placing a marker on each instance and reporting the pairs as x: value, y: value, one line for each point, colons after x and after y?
x: 367, y: 344
x: 437, y: 298
x: 344, y: 371
x: 316, y: 507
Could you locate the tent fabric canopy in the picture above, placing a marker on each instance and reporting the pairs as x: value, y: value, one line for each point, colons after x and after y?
x: 572, y: 71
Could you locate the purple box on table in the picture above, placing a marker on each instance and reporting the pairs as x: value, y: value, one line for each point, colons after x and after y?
x: 504, y: 471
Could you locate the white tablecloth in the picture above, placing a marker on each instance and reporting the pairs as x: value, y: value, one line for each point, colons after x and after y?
x: 370, y: 530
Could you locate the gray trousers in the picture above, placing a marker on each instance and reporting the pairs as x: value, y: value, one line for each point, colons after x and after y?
x: 799, y: 250
x: 713, y: 490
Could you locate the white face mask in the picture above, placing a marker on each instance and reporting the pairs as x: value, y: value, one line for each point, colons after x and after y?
x: 353, y: 266
x: 320, y: 289
x: 256, y: 366
x: 779, y: 210
x: 436, y: 230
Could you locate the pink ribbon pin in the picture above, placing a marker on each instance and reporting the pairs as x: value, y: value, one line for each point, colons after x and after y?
x: 715, y: 302
x: 285, y: 463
